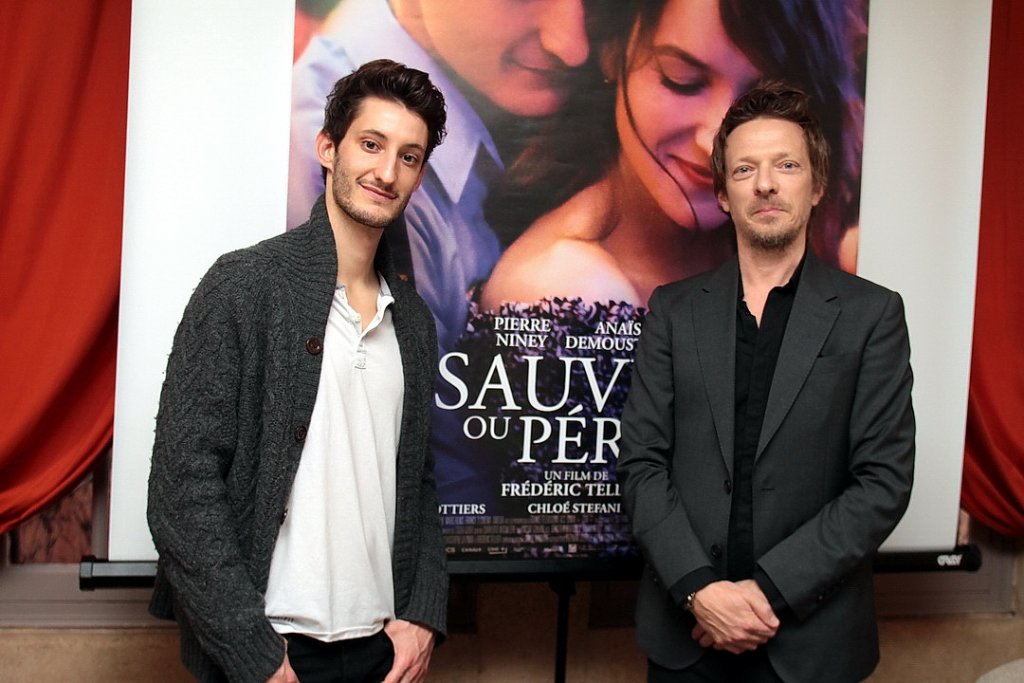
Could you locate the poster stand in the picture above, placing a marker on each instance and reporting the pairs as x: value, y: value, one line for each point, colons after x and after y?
x: 565, y: 588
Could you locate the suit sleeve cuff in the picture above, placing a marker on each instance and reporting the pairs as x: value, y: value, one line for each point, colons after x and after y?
x: 691, y: 583
x: 767, y: 586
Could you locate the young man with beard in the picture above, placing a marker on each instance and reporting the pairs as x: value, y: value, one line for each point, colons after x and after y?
x: 768, y: 441
x: 292, y: 497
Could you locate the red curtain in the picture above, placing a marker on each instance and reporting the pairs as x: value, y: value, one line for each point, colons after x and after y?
x: 63, y: 108
x: 993, y: 486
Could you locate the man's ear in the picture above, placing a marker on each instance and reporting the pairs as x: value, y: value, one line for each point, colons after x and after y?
x: 723, y: 201
x: 609, y: 59
x: 325, y: 150
x: 615, y: 53
x: 818, y: 194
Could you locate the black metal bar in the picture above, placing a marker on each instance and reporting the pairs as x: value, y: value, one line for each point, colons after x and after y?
x: 565, y: 588
x: 962, y: 558
x: 96, y: 573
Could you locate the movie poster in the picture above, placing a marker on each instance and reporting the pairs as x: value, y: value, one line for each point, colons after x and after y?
x: 573, y: 181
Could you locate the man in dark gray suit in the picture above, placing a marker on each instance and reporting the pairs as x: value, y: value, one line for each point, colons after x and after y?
x: 768, y: 440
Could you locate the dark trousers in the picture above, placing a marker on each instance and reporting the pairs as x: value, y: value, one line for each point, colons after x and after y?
x: 717, y: 666
x: 359, y: 660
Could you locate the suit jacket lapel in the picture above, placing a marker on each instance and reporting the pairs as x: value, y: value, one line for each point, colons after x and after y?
x: 714, y: 322
x: 814, y: 312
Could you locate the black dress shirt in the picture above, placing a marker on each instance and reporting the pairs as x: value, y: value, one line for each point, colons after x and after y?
x: 757, y: 352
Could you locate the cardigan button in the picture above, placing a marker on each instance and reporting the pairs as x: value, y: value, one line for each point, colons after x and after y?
x: 716, y: 551
x: 300, y: 433
x: 314, y: 345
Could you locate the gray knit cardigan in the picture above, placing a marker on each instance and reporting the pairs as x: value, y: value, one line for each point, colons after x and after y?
x: 239, y: 391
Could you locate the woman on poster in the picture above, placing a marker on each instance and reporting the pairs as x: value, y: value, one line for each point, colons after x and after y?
x: 651, y: 216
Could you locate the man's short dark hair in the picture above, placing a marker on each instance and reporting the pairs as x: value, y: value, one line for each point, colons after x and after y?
x: 387, y: 80
x: 773, y: 100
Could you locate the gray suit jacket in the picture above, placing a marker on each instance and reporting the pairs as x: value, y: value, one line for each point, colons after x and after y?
x: 832, y: 473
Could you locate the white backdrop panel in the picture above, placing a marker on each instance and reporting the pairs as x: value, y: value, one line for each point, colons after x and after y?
x: 209, y: 92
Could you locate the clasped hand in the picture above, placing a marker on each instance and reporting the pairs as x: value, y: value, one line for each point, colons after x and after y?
x: 735, y: 617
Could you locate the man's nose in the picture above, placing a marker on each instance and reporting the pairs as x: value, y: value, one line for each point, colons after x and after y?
x: 386, y: 169
x: 563, y: 32
x: 766, y: 183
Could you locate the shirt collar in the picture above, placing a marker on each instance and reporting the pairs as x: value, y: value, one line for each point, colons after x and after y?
x: 788, y: 288
x: 384, y: 296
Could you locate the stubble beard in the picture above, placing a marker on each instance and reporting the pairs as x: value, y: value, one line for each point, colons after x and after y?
x: 774, y: 241
x: 344, y: 189
x: 772, y: 236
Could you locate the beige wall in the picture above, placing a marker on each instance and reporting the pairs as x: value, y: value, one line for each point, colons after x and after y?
x: 514, y: 643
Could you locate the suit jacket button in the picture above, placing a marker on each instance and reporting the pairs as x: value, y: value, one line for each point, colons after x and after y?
x: 300, y: 433
x: 716, y: 552
x: 728, y: 486
x: 314, y: 345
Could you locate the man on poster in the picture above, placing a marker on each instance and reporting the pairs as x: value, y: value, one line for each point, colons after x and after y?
x: 292, y: 497
x: 768, y: 439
